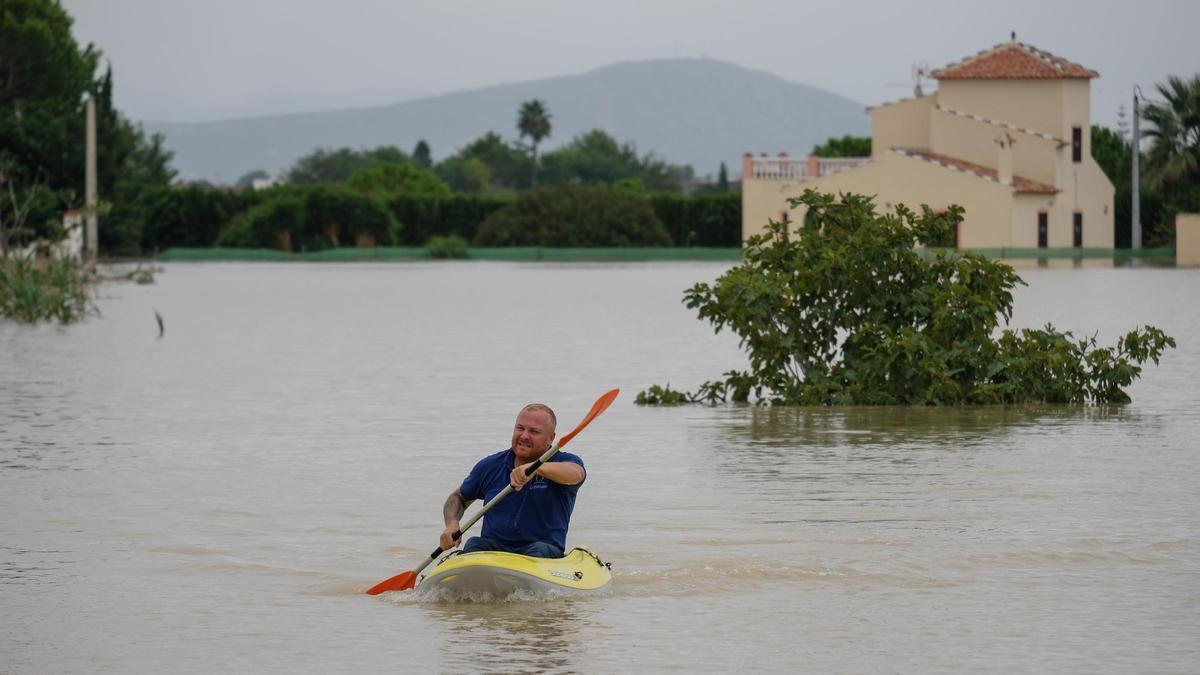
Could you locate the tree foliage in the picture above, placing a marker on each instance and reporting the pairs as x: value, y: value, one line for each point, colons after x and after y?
x: 486, y: 165
x: 574, y: 215
x: 1113, y: 152
x: 421, y: 156
x: 533, y: 120
x: 1170, y: 168
x: 846, y: 146
x: 386, y: 179
x: 44, y: 79
x: 247, y: 179
x: 334, y: 166
x: 1174, y: 155
x: 845, y: 310
x: 597, y: 157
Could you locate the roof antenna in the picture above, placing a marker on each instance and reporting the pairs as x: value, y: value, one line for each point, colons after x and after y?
x: 920, y: 71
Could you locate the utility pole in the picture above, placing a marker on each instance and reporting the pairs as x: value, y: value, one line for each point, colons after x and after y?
x: 1135, y: 216
x: 91, y: 206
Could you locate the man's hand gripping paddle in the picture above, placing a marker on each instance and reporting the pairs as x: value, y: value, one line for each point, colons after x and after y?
x: 406, y: 580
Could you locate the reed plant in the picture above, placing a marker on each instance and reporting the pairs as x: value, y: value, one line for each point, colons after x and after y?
x: 31, y: 292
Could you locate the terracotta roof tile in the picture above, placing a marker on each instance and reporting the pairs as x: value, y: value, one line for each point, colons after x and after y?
x: 1014, y: 61
x: 1019, y: 184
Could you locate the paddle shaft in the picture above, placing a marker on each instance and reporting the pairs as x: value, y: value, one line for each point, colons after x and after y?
x: 492, y: 502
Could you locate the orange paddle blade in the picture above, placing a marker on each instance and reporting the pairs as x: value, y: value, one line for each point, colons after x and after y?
x: 400, y: 582
x: 598, y: 407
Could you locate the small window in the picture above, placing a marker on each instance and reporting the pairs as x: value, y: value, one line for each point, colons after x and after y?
x: 1076, y: 145
x: 1043, y: 227
x: 1078, y: 229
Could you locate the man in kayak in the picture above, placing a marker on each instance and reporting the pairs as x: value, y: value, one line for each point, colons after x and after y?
x: 533, y: 521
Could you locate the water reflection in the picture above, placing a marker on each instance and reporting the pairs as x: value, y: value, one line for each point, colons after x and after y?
x: 861, y: 426
x: 880, y: 464
x: 510, y: 636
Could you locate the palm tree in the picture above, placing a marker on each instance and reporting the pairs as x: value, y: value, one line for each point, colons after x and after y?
x: 533, y: 120
x: 1175, y: 147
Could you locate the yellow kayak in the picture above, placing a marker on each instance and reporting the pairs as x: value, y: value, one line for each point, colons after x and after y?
x: 499, y: 573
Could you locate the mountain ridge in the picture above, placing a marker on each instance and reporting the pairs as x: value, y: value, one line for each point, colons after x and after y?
x: 695, y: 111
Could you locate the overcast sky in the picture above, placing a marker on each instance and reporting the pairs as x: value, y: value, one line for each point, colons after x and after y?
x: 188, y: 60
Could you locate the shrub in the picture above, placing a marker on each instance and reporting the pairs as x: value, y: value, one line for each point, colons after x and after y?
x: 844, y: 310
x: 61, y: 291
x: 451, y: 246
x: 574, y: 216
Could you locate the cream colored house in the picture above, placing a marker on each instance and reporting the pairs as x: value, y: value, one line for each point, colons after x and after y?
x: 1006, y: 136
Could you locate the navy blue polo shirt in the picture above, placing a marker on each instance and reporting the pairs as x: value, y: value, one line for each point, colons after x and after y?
x: 540, y: 511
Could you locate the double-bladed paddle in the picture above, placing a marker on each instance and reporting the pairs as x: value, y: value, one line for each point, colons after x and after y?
x: 406, y: 580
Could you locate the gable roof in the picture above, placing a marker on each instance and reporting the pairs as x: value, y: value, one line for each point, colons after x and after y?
x: 1014, y: 61
x: 1023, y: 185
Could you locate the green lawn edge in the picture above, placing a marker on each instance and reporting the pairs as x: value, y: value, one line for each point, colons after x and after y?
x: 545, y: 254
x: 407, y: 253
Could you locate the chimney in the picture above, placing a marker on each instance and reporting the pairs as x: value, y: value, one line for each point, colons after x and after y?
x: 747, y: 166
x: 1004, y: 165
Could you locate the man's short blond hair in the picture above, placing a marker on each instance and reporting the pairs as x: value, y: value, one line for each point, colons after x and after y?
x: 544, y: 408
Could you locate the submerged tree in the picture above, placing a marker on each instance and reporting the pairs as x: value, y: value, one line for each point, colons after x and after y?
x: 846, y: 310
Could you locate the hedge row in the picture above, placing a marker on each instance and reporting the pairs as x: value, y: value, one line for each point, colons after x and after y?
x: 422, y: 218
x: 573, y: 216
x: 324, y: 216
x: 704, y: 220
x: 312, y: 219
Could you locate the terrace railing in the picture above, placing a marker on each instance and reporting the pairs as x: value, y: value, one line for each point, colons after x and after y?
x: 785, y: 168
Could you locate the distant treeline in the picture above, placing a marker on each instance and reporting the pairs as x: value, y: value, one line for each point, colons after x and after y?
x: 594, y: 192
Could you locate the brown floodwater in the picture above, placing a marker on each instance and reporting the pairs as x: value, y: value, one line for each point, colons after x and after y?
x: 217, y: 499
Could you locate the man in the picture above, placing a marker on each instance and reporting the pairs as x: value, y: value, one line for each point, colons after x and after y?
x: 533, y: 521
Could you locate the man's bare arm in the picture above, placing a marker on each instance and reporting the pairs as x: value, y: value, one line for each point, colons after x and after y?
x: 453, y: 510
x: 455, y: 506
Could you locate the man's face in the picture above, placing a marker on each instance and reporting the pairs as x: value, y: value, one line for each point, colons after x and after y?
x: 532, y: 435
